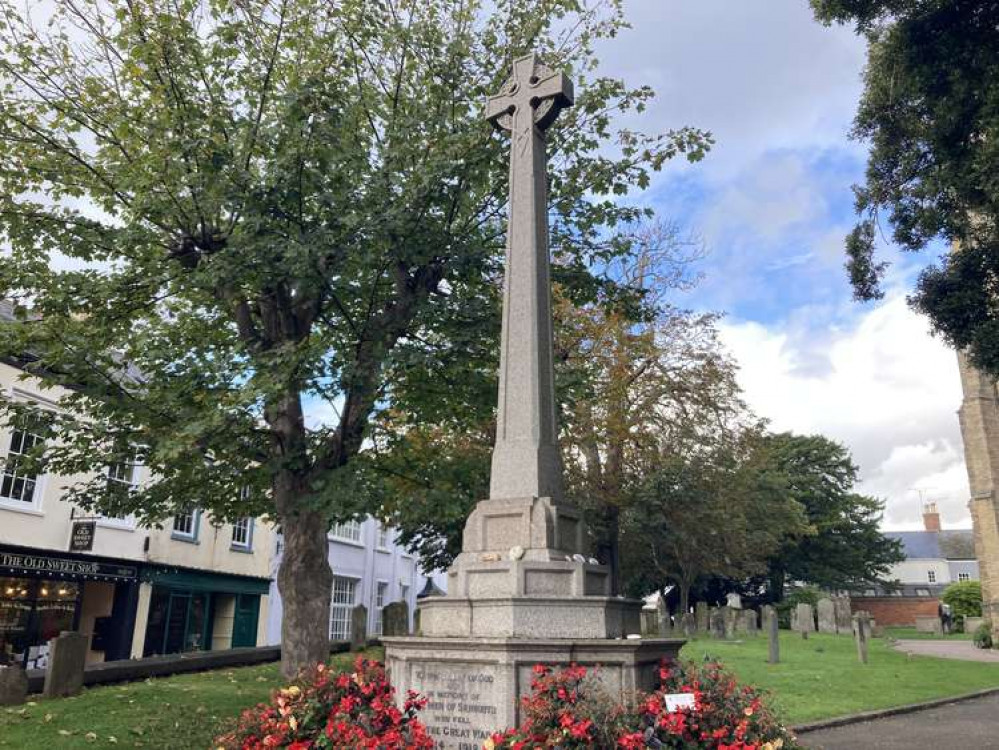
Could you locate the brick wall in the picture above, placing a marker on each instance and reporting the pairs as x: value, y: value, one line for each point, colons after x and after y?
x: 896, y: 610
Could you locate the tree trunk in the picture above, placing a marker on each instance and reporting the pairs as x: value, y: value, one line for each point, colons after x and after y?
x: 775, y: 584
x: 684, y: 597
x: 305, y: 581
x: 612, y: 517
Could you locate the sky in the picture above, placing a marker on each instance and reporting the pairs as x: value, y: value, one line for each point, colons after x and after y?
x: 772, y: 203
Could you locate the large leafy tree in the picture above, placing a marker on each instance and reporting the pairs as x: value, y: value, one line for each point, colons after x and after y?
x: 223, y: 217
x: 717, y: 512
x: 845, y: 548
x: 930, y: 111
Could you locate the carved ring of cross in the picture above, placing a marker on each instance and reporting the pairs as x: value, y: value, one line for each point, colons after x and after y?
x: 532, y: 87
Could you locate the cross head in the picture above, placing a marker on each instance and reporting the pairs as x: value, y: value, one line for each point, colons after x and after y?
x: 532, y: 90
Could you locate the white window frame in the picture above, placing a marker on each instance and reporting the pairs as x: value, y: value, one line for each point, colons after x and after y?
x: 126, y: 522
x: 383, y: 537
x: 380, y: 594
x: 348, y: 531
x: 37, y: 481
x: 343, y: 599
x: 245, y: 523
x: 186, y: 536
x: 404, y: 592
x: 931, y: 576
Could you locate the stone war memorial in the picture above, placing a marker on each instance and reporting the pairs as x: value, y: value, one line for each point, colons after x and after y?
x: 524, y: 590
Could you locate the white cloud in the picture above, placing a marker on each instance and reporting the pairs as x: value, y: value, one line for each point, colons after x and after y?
x: 886, y: 389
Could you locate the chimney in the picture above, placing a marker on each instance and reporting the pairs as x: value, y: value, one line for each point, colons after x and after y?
x: 931, y: 518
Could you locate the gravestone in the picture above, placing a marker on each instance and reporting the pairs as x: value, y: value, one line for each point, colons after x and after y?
x: 741, y: 626
x: 395, y: 619
x: 971, y: 624
x: 701, y: 613
x: 665, y: 624
x: 750, y: 624
x: 358, y: 627
x: 862, y: 633
x: 524, y: 589
x: 731, y: 620
x: 827, y: 615
x: 688, y: 624
x: 13, y: 685
x: 67, y: 659
x: 716, y: 622
x: 771, y: 625
x: 804, y: 620
x: 844, y: 615
x: 929, y: 624
x: 733, y: 600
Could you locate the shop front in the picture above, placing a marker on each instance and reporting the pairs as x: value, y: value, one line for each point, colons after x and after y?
x: 42, y: 595
x: 198, y: 611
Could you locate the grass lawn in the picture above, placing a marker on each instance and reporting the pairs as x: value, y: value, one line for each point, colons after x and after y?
x: 913, y: 634
x: 172, y: 713
x: 817, y: 678
x: 821, y: 677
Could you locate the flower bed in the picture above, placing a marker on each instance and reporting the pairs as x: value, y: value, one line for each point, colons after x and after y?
x: 325, y: 710
x: 566, y: 711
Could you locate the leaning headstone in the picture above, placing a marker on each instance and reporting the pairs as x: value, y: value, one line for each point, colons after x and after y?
x: 843, y: 614
x: 358, y: 627
x: 688, y: 624
x: 862, y: 633
x: 717, y: 620
x: 827, y: 616
x: 772, y: 627
x: 731, y: 617
x: 804, y: 620
x: 395, y: 619
x: 67, y: 658
x: 13, y: 685
x: 701, y: 613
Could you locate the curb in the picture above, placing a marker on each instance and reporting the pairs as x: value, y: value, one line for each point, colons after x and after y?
x: 883, y: 713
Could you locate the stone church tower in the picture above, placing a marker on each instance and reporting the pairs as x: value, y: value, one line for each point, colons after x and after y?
x: 979, y: 416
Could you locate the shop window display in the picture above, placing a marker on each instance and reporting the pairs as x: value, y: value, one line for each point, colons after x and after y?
x: 32, y: 612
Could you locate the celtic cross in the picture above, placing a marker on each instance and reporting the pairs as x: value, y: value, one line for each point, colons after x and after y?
x: 526, y: 460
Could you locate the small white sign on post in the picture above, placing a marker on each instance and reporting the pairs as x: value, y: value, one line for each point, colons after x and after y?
x: 675, y: 701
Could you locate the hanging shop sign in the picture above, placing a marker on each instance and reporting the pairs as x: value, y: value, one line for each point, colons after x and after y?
x: 61, y: 566
x: 82, y: 537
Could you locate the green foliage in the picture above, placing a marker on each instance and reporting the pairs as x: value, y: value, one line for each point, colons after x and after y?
x: 964, y: 598
x: 846, y: 548
x: 983, y: 636
x: 269, y: 208
x: 800, y: 595
x: 930, y: 111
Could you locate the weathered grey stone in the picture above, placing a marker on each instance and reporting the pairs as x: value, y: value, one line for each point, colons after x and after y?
x: 733, y: 601
x: 802, y: 619
x: 971, y: 624
x: 416, y: 621
x: 716, y: 619
x: 688, y: 624
x: 395, y: 619
x: 730, y: 618
x: 929, y: 624
x: 749, y: 623
x: 844, y: 615
x: 701, y: 613
x: 771, y: 625
x: 862, y: 633
x: 827, y: 615
x: 473, y: 685
x: 67, y: 658
x: 13, y: 685
x: 358, y: 627
x: 663, y: 620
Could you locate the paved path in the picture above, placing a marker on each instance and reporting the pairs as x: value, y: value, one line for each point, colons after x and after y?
x: 968, y: 725
x: 963, y: 650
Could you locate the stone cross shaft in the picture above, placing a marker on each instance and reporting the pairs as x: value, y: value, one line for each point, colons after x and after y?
x: 526, y: 461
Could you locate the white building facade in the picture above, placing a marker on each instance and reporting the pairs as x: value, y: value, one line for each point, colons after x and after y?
x: 369, y: 568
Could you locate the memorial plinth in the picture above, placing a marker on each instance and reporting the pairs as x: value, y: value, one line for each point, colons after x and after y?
x: 524, y: 590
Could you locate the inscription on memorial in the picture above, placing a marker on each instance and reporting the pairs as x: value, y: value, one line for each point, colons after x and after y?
x: 461, y: 710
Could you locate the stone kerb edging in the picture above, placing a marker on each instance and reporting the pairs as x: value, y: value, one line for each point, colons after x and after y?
x: 131, y: 670
x: 884, y: 713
